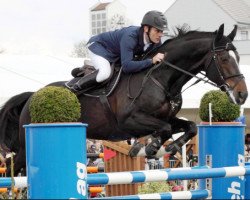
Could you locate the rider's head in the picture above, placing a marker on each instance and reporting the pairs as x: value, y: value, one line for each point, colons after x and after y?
x: 154, y: 23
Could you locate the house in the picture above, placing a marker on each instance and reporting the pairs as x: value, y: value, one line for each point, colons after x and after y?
x: 107, y: 16
x: 208, y: 15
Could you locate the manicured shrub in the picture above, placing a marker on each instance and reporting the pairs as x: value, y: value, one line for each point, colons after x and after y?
x: 154, y: 187
x: 222, y: 108
x: 54, y: 104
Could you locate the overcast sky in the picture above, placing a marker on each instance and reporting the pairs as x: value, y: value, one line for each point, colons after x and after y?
x: 52, y: 27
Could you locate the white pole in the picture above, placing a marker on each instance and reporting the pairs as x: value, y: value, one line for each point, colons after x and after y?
x: 184, y: 164
x: 210, y: 113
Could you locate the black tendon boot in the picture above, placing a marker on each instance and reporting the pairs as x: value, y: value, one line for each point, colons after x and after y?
x: 85, y: 83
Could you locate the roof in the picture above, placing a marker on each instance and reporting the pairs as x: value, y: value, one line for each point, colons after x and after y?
x: 101, y: 6
x: 239, y: 10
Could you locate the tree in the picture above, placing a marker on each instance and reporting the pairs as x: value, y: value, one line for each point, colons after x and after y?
x: 80, y: 49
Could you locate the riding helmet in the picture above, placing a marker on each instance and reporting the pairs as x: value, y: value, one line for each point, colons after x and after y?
x: 155, y: 19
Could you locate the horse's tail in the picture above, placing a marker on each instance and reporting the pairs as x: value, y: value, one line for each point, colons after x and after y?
x: 9, y: 121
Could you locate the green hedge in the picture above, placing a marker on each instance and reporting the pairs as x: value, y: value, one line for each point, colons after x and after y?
x: 54, y: 104
x: 222, y: 108
x: 154, y: 187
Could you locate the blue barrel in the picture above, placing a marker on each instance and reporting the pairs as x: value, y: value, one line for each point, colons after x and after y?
x: 56, y: 161
x: 222, y: 145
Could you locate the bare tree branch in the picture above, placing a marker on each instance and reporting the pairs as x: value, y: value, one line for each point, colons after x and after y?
x: 80, y: 50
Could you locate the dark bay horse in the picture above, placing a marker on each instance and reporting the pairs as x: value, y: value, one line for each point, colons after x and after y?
x: 154, y: 96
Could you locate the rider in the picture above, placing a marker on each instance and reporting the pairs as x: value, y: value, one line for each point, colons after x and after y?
x: 124, y: 43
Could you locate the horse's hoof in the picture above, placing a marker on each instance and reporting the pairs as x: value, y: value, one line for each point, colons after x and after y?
x: 153, y: 147
x: 172, y: 149
x: 133, y: 152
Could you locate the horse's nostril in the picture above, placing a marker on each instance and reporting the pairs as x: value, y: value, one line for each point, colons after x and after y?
x: 243, y: 95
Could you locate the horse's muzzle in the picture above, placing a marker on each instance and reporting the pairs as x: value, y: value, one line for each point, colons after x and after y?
x: 238, y: 98
x: 242, y: 97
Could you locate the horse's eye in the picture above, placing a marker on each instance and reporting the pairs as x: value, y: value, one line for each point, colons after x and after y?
x: 225, y: 58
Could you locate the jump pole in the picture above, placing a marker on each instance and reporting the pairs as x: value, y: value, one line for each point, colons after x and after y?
x: 222, y: 145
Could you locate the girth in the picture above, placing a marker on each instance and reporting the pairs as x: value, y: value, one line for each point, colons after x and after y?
x: 108, y: 112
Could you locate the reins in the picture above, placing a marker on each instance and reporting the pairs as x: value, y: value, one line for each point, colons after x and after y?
x: 148, y: 75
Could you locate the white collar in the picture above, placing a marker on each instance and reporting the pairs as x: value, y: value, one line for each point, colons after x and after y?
x: 146, y: 41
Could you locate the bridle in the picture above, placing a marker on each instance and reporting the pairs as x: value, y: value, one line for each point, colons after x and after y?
x: 214, y: 57
x: 209, y: 58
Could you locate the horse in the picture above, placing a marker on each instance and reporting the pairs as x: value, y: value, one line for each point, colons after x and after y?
x: 147, y: 102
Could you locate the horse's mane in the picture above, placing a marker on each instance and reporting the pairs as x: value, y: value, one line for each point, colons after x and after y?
x: 184, y: 33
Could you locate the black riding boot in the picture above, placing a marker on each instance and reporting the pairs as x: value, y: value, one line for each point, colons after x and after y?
x: 85, y: 83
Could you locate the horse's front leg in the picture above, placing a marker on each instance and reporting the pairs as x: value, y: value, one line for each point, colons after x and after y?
x: 179, y: 125
x: 148, y: 124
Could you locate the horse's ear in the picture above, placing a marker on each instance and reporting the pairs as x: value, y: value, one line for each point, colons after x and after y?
x: 220, y: 33
x: 233, y: 33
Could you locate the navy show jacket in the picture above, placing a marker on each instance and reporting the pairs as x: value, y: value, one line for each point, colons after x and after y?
x: 123, y: 43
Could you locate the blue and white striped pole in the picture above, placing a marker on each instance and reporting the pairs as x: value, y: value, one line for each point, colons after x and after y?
x: 151, y: 175
x: 165, y: 174
x: 195, y: 194
x: 19, y: 182
x: 222, y: 145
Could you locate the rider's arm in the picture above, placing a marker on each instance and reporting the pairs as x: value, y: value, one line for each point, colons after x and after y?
x: 127, y: 45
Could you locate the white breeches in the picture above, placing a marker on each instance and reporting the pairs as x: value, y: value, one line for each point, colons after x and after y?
x: 102, y: 65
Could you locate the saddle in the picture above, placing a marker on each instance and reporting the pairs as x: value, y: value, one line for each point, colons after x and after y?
x: 105, y: 88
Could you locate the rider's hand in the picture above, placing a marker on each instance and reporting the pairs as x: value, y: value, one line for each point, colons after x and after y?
x: 158, y: 58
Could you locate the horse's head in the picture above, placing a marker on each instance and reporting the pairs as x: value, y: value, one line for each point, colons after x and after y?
x: 223, y: 67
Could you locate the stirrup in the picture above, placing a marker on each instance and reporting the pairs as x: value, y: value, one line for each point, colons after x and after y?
x: 72, y: 87
x: 67, y: 85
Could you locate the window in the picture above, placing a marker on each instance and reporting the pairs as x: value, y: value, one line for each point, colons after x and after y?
x: 244, y: 35
x: 98, y: 30
x: 98, y: 22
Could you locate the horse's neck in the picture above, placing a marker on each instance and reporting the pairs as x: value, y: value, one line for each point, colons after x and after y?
x: 172, y: 79
x: 176, y: 87
x: 188, y: 54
